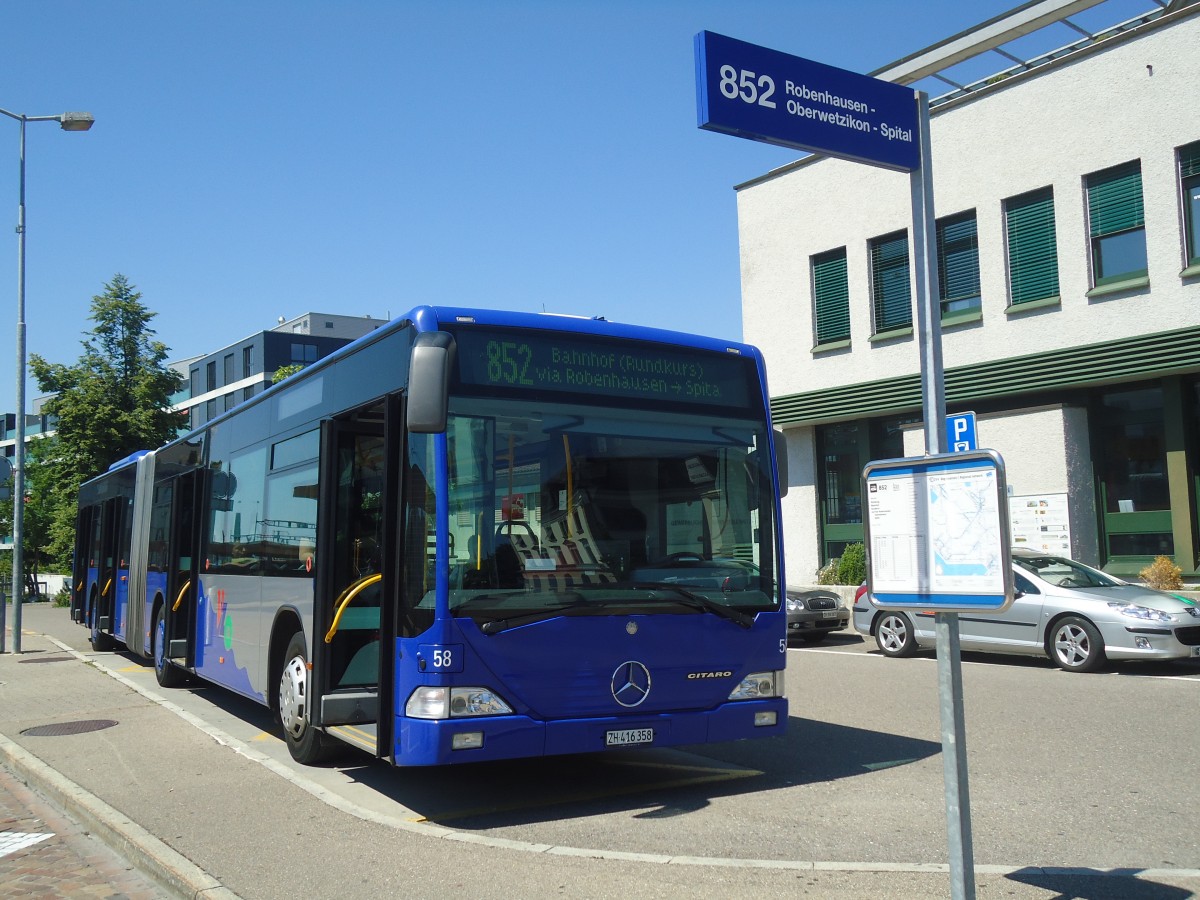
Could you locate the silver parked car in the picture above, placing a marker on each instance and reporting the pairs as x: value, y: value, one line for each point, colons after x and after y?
x: 1076, y: 615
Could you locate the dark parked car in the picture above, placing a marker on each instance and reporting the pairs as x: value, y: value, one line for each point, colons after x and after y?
x: 813, y: 614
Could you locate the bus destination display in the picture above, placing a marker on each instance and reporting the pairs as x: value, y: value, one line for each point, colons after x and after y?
x: 539, y: 361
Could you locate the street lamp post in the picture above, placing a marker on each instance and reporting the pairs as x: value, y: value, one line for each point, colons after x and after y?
x: 70, y: 121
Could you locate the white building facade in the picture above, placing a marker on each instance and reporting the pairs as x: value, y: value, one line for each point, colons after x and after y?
x: 1067, y: 195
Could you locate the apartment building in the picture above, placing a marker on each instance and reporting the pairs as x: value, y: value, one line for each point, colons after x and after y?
x: 1067, y: 197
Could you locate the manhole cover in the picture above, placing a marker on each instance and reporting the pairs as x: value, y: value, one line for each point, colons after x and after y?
x: 46, y: 659
x: 80, y: 727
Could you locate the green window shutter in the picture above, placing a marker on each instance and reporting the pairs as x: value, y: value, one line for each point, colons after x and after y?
x: 1115, y: 199
x: 831, y: 296
x: 1189, y: 160
x: 958, y: 257
x: 890, y: 290
x: 1032, y: 249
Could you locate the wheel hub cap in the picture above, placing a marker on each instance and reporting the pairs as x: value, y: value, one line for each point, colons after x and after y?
x: 293, y: 697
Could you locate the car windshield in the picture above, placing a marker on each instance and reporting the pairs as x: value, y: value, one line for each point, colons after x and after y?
x: 559, y: 510
x: 1064, y: 572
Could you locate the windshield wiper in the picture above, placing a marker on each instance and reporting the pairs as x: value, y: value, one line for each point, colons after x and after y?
x: 698, y: 601
x: 495, y: 626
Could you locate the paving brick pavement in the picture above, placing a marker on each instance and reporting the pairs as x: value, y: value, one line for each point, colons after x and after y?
x: 44, y: 854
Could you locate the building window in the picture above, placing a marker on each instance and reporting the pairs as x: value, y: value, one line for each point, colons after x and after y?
x: 1118, y: 224
x: 194, y: 382
x: 247, y: 393
x: 1032, y: 248
x: 247, y: 362
x: 228, y: 368
x: 1189, y: 174
x: 210, y: 372
x: 831, y: 296
x: 210, y: 410
x: 958, y: 264
x: 891, y: 296
x: 304, y: 353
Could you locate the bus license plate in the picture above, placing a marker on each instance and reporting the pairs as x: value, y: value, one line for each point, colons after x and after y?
x: 629, y: 736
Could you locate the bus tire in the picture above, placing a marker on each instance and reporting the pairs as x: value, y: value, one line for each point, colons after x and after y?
x: 97, y: 638
x: 307, y: 745
x: 167, y: 673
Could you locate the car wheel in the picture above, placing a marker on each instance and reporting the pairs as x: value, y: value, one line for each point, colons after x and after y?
x: 1076, y: 645
x: 894, y: 635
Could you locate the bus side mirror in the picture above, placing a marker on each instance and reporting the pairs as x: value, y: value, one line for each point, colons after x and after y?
x: 781, y: 461
x: 429, y: 382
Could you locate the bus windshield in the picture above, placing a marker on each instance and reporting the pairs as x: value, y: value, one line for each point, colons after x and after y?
x: 576, y: 510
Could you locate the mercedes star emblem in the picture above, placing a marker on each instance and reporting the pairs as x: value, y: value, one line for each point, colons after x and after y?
x: 630, y: 683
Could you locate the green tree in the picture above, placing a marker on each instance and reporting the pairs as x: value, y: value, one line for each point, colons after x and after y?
x: 115, y: 400
x: 40, y: 516
x: 285, y: 372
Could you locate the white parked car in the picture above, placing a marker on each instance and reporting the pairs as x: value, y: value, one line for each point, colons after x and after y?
x: 1076, y: 615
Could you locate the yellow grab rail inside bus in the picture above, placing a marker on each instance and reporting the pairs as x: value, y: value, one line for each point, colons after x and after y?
x: 344, y: 600
x: 104, y: 593
x: 183, y: 590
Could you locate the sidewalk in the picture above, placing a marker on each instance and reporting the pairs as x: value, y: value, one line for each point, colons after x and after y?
x: 43, y: 853
x: 90, y: 848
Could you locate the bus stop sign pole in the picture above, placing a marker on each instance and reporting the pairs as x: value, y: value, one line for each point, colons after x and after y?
x: 764, y: 95
x: 949, y: 661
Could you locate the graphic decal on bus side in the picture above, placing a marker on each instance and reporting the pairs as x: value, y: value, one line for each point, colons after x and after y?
x: 215, y: 656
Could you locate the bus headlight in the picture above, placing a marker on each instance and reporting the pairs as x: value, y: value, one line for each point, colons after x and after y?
x: 759, y: 686
x: 459, y: 702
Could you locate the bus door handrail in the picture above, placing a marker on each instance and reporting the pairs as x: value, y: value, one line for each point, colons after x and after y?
x: 344, y: 600
x: 183, y: 590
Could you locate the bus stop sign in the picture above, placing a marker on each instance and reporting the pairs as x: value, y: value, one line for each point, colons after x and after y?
x: 764, y: 95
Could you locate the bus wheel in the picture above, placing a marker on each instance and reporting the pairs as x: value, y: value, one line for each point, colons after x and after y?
x: 306, y: 744
x: 168, y: 675
x: 98, y: 639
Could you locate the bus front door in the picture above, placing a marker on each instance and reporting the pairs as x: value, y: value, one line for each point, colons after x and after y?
x: 351, y: 616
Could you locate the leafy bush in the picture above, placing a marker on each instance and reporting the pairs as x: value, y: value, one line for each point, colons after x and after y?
x: 1162, y: 575
x: 852, y: 567
x: 63, y: 597
x: 827, y: 574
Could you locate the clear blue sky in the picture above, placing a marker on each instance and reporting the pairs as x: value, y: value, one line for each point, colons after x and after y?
x: 254, y: 158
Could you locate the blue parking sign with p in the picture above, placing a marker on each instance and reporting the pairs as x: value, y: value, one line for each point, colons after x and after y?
x: 960, y: 432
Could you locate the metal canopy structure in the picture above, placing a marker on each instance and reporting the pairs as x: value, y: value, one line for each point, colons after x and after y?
x: 1045, y: 19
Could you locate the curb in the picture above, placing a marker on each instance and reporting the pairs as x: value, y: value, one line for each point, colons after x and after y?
x: 148, y: 854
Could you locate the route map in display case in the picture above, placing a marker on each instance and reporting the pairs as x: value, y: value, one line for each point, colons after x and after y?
x: 1041, y: 522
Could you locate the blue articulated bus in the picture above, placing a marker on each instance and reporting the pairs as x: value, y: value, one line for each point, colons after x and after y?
x: 470, y: 535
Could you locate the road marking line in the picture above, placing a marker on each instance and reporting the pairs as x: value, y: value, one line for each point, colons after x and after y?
x: 14, y: 841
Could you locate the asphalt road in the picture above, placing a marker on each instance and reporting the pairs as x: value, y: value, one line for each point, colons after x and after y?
x: 1084, y: 773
